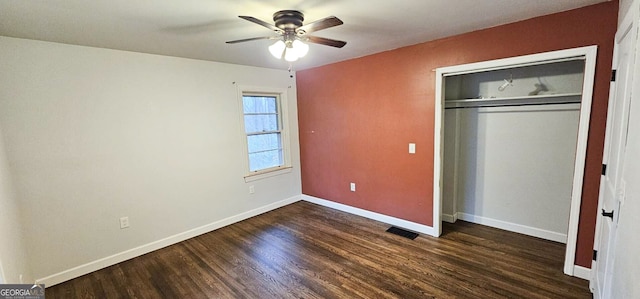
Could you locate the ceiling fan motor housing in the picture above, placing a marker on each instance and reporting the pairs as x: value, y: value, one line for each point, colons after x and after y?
x: 288, y: 19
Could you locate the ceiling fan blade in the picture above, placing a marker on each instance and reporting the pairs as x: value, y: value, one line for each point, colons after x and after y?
x: 325, y: 23
x: 261, y: 23
x: 251, y: 39
x: 326, y: 41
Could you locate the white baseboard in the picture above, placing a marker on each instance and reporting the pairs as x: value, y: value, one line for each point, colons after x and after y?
x: 420, y: 228
x: 518, y: 228
x: 144, y: 249
x: 581, y: 272
x: 450, y: 218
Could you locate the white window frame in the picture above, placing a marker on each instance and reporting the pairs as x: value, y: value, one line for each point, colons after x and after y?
x: 281, y: 98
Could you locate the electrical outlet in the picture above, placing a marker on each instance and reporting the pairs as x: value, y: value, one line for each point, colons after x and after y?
x: 124, y: 222
x: 353, y: 187
x: 252, y: 189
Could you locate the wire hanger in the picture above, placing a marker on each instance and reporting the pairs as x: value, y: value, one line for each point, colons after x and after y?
x: 506, y: 83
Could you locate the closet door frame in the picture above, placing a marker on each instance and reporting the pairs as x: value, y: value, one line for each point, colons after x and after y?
x: 587, y: 53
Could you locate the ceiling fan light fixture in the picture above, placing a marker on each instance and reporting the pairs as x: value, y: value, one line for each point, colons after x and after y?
x: 290, y: 55
x: 277, y: 48
x: 291, y: 50
x: 300, y: 48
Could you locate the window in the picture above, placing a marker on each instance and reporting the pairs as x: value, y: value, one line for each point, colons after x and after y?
x: 265, y: 132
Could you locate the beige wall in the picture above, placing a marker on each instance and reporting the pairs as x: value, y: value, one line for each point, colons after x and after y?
x: 93, y: 135
x: 13, y: 261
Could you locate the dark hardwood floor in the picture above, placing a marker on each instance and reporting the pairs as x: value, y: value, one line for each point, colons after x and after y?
x: 307, y: 251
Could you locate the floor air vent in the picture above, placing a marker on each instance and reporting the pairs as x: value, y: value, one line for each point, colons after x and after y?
x: 403, y: 233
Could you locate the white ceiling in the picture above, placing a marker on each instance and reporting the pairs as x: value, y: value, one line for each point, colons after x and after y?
x: 199, y: 28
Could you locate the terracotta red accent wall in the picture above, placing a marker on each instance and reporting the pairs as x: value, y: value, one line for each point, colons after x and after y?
x: 357, y: 117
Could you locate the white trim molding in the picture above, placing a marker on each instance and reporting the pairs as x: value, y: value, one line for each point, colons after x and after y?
x: 417, y: 227
x: 146, y: 248
x: 581, y: 272
x: 514, y: 227
x: 450, y: 218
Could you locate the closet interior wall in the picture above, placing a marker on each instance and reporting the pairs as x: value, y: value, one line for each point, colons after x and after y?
x: 510, y: 140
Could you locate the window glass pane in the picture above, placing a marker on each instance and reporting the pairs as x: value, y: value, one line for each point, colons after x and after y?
x: 261, y: 115
x: 256, y: 104
x: 261, y: 123
x: 262, y: 160
x: 248, y: 104
x: 271, y: 105
x: 264, y: 142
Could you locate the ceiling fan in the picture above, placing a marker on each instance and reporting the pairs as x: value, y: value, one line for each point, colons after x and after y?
x: 292, y: 33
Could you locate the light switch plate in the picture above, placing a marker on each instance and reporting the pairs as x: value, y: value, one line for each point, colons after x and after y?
x: 412, y: 148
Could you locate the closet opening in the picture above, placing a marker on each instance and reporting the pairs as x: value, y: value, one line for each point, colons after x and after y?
x: 510, y: 143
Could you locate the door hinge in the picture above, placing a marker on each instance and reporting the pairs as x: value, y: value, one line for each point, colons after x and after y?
x: 595, y: 255
x: 607, y: 214
x: 604, y: 169
x: 613, y: 75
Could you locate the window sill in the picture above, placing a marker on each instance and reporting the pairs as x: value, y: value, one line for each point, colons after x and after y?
x: 267, y: 173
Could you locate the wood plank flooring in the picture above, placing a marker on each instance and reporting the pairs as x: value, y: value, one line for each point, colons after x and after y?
x: 308, y: 251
